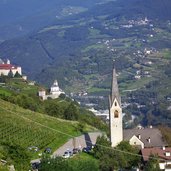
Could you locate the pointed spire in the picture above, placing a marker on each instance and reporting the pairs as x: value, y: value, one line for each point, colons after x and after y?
x: 115, y: 90
x: 55, y: 83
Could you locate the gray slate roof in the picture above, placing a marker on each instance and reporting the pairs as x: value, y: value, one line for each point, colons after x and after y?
x: 114, y: 89
x: 156, y: 139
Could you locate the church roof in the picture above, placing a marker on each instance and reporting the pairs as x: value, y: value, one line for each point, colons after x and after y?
x: 156, y: 139
x: 55, y: 84
x: 7, y: 66
x: 114, y: 90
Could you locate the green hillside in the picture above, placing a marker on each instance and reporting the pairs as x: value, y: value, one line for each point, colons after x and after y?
x: 28, y: 123
x: 21, y: 122
x: 26, y: 128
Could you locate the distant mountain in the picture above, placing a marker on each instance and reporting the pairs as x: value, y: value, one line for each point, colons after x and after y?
x: 19, y: 17
x: 78, y: 50
x: 68, y: 35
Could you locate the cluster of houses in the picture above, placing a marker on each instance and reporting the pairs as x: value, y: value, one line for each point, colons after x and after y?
x: 151, y: 143
x: 140, y: 22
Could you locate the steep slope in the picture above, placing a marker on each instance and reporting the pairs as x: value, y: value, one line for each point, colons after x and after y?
x: 26, y: 128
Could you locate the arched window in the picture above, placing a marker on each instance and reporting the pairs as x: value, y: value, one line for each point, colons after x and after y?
x: 116, y: 114
x: 115, y: 103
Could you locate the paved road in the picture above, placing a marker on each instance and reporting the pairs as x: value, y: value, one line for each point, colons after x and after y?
x: 77, y: 142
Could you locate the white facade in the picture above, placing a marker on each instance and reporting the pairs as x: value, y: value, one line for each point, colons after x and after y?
x: 136, y: 141
x: 24, y: 77
x: 115, y: 113
x: 116, y: 128
x: 55, y: 88
x: 13, y: 69
x: 5, y: 68
x: 42, y: 93
x: 55, y: 92
x: 164, y: 165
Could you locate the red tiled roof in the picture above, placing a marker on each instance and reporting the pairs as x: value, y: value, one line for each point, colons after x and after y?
x: 7, y: 66
x: 146, y: 152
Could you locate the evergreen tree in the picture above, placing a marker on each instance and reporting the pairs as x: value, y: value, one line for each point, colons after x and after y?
x: 60, y: 164
x: 17, y: 75
x: 71, y: 113
x: 54, y: 164
x: 10, y: 74
x: 152, y: 164
x: 115, y: 158
x: 128, y: 157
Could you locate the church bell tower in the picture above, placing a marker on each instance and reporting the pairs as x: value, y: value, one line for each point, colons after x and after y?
x: 115, y: 113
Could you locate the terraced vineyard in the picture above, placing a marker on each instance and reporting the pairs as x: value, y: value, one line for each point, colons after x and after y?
x: 23, y: 133
x: 26, y: 128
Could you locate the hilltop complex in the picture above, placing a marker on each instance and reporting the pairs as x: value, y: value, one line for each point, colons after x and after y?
x: 6, y: 67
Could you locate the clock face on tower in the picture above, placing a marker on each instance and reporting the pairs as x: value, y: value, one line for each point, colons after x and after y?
x: 116, y: 114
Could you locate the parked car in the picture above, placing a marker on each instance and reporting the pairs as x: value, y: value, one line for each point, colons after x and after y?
x: 67, y: 154
x: 48, y: 150
x: 76, y: 150
x: 35, y: 165
x: 87, y: 149
x: 93, y: 145
x: 33, y: 148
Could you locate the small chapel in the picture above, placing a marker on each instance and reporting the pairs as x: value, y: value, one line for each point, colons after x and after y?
x: 141, y: 137
x: 55, y: 92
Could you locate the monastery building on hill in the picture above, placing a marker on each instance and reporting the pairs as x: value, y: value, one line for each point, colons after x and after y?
x: 6, y: 67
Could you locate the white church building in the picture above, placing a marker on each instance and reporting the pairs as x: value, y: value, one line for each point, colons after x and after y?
x: 55, y: 92
x: 141, y: 137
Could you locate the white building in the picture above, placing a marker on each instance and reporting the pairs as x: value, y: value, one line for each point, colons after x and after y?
x: 55, y: 92
x: 115, y: 113
x: 55, y: 88
x: 140, y: 137
x: 6, y: 67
